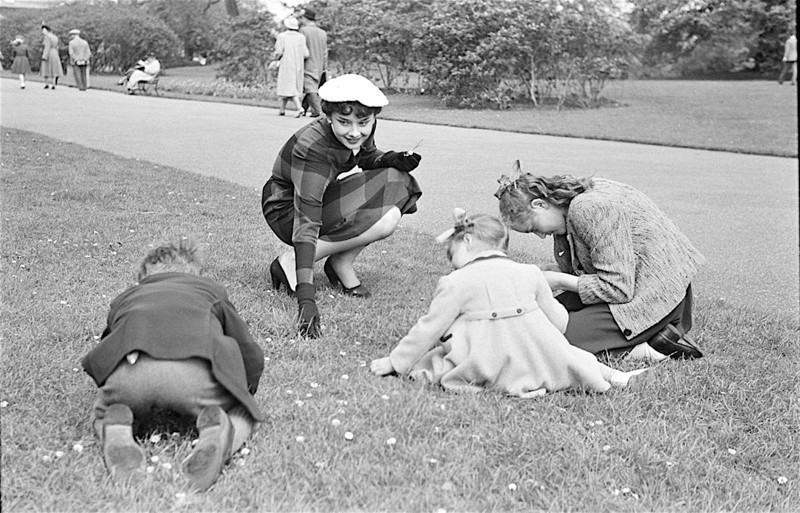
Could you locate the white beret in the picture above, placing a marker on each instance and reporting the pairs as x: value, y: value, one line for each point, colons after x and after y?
x: 353, y: 88
x: 74, y: 32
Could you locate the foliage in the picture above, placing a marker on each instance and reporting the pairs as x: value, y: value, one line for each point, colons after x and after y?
x: 244, y: 47
x: 707, y: 36
x: 118, y: 35
x: 193, y: 21
x: 365, y: 35
x: 497, y: 51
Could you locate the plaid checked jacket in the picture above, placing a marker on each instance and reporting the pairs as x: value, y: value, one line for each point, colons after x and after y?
x: 309, y: 161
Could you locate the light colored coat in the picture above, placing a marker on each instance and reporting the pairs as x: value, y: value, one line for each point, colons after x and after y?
x: 495, y: 324
x: 290, y: 47
x: 51, y: 62
x: 626, y: 252
x: 790, y: 50
x: 79, y: 50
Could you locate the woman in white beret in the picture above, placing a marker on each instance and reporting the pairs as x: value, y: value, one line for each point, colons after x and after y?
x: 320, y: 215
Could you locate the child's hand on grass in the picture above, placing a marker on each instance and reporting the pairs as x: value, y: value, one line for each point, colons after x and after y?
x: 381, y: 366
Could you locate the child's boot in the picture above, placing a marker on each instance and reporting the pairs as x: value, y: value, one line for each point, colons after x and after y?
x: 122, y: 455
x: 213, y: 449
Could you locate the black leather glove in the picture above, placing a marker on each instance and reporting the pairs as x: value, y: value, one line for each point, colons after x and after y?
x: 404, y: 162
x: 307, y: 312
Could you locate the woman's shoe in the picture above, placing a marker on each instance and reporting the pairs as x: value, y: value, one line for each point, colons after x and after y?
x: 357, y: 291
x: 672, y: 342
x: 300, y: 114
x: 47, y: 86
x: 279, y: 278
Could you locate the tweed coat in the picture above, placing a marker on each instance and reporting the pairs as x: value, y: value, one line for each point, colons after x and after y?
x: 627, y: 253
x: 494, y: 323
x: 175, y: 316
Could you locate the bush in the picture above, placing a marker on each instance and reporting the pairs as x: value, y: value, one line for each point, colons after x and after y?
x: 118, y: 36
x: 245, y: 45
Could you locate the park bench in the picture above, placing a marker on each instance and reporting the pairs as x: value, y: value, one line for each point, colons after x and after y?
x: 147, y: 86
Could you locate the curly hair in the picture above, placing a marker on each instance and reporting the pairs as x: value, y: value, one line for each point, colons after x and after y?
x: 558, y: 190
x: 179, y: 256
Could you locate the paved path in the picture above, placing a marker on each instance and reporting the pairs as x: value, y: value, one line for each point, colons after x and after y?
x: 741, y: 210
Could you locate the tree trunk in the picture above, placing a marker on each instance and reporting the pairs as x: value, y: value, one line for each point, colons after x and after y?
x: 232, y: 8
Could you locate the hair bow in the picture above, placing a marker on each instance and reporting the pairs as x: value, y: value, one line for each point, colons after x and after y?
x: 462, y: 222
x: 506, y: 182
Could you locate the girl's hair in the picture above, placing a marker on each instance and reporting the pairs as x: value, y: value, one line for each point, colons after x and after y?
x: 347, y: 108
x: 47, y: 28
x: 179, y: 256
x: 516, y: 195
x: 483, y: 227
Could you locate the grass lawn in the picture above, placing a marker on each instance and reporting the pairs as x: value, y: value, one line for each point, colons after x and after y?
x: 716, y: 434
x: 757, y: 117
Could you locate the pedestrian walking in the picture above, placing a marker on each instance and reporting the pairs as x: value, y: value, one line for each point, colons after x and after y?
x: 79, y: 55
x: 51, y: 69
x: 21, y: 65
x: 789, y: 60
x: 291, y: 49
x: 316, y: 64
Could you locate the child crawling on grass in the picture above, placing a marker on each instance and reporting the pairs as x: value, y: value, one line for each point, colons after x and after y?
x: 175, y: 342
x: 494, y: 323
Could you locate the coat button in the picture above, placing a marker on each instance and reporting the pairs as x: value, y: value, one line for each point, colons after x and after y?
x: 519, y: 310
x: 626, y: 332
x: 494, y: 314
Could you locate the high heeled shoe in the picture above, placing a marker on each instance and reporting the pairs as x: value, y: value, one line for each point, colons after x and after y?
x: 279, y: 278
x: 357, y: 291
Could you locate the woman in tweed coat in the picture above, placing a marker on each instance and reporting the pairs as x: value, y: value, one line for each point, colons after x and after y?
x: 624, y: 266
x: 333, y: 192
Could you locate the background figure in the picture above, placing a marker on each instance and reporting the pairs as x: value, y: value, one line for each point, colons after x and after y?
x: 144, y: 71
x: 789, y: 60
x: 174, y: 342
x: 21, y: 64
x: 291, y: 49
x: 79, y: 55
x: 316, y: 63
x: 51, y: 63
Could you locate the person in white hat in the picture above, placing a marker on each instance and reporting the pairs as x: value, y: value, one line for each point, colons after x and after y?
x: 291, y: 49
x: 79, y: 55
x: 320, y: 213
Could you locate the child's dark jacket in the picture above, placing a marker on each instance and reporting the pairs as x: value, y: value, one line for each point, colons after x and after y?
x: 175, y: 316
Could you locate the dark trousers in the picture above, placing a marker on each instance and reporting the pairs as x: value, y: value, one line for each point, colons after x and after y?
x: 788, y: 67
x: 593, y: 328
x: 80, y: 76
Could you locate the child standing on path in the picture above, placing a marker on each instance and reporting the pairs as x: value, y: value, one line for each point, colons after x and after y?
x: 494, y: 323
x: 175, y: 342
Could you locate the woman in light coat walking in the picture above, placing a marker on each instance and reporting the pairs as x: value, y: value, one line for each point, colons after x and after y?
x: 291, y: 49
x: 51, y: 62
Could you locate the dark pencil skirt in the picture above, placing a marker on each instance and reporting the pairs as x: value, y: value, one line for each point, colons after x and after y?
x: 349, y: 206
x: 593, y: 328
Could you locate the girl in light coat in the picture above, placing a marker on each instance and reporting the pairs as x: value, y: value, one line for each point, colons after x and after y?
x: 493, y: 323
